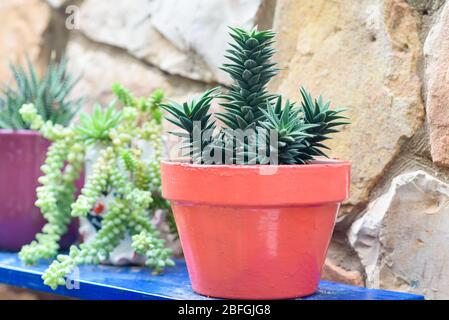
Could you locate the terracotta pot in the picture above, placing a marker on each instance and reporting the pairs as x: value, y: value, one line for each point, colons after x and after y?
x: 22, y: 153
x: 247, y: 235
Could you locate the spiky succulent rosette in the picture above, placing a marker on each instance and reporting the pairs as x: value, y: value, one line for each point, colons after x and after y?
x: 291, y: 131
x: 49, y: 93
x: 194, y: 118
x: 325, y: 120
x: 258, y: 128
x: 136, y: 184
x: 251, y: 69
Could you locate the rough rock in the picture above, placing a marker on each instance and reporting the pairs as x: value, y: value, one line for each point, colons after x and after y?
x: 436, y: 50
x: 332, y: 272
x: 10, y: 293
x: 402, y: 238
x: 341, y: 255
x: 23, y: 25
x: 201, y: 26
x: 57, y: 3
x: 128, y: 25
x: 362, y: 55
x: 101, y: 66
x: 186, y: 38
x: 426, y: 6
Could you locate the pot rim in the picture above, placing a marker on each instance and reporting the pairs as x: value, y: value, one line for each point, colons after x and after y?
x: 317, y: 163
x: 256, y: 185
x: 22, y: 132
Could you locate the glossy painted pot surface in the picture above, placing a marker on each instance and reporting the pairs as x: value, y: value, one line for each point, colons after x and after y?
x: 22, y: 153
x: 247, y: 234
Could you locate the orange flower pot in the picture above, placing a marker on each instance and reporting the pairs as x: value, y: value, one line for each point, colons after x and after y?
x: 250, y: 234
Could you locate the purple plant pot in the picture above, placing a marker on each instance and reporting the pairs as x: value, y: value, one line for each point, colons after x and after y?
x: 22, y: 153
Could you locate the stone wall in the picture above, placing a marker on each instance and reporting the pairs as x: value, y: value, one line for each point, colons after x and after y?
x: 386, y: 61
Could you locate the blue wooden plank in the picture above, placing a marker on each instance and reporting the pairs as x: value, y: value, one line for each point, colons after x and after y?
x: 135, y: 283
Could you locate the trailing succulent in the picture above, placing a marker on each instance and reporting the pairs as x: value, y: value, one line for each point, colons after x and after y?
x: 258, y: 127
x: 48, y: 93
x: 136, y: 184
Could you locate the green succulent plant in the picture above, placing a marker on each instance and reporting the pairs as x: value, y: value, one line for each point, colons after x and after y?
x: 292, y: 132
x: 257, y: 127
x: 251, y: 69
x: 49, y: 94
x: 95, y: 128
x: 326, y: 121
x: 137, y: 187
x: 191, y: 114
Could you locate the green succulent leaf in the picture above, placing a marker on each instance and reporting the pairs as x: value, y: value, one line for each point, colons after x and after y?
x: 96, y: 128
x: 325, y: 121
x: 191, y: 114
x: 251, y: 69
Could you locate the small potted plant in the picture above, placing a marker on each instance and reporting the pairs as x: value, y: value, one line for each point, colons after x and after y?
x: 23, y: 149
x: 256, y: 204
x: 121, y: 193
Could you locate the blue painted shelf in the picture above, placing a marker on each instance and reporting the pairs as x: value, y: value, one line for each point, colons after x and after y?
x: 136, y: 283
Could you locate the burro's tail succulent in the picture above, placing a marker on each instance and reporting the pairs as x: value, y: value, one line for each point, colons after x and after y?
x: 135, y: 181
